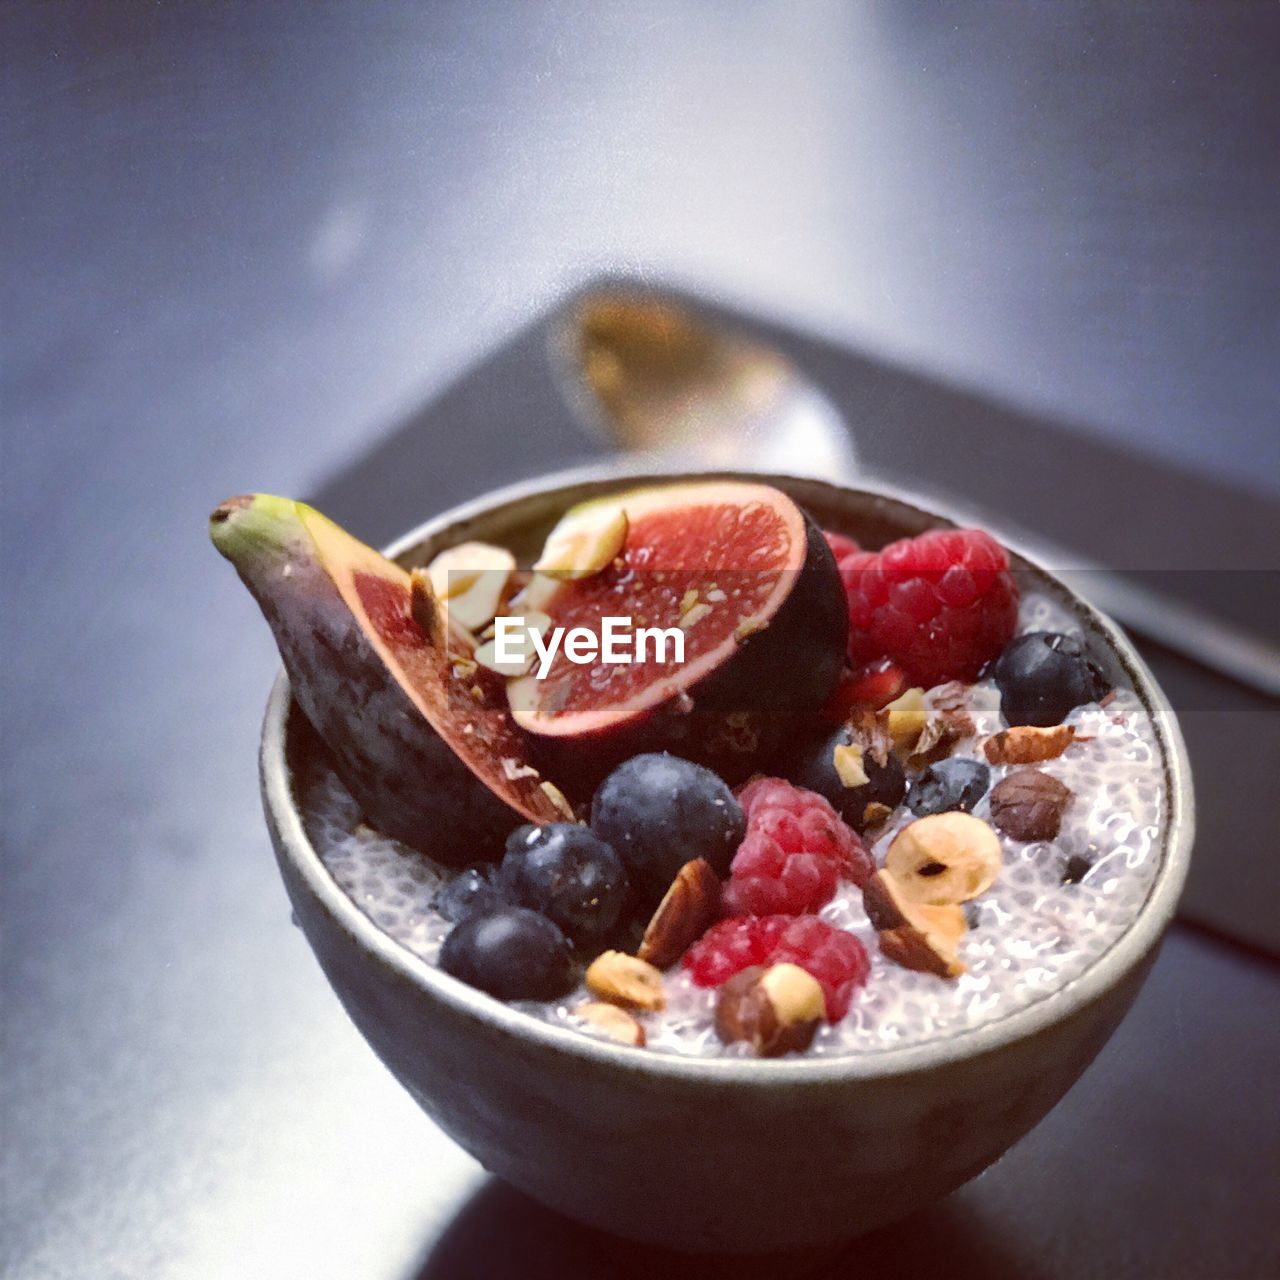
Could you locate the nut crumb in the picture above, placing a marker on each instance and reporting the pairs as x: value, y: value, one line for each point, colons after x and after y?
x: 626, y: 980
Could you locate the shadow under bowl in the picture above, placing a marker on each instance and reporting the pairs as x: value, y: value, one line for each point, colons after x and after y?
x: 723, y: 1155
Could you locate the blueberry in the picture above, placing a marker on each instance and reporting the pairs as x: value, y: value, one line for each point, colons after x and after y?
x: 469, y: 893
x: 812, y: 766
x: 659, y: 812
x: 512, y: 953
x: 569, y: 874
x: 949, y: 785
x: 1044, y: 674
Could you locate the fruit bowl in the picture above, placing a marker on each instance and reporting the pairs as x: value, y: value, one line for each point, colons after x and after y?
x: 717, y: 1154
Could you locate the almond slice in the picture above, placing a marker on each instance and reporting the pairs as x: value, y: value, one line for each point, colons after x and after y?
x: 584, y: 542
x: 1028, y: 744
x: 611, y: 1022
x: 471, y: 578
x: 625, y: 980
x: 685, y: 913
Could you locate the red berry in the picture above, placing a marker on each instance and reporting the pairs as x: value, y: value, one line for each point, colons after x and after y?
x: 841, y: 544
x: 940, y: 605
x: 795, y: 851
x: 835, y: 958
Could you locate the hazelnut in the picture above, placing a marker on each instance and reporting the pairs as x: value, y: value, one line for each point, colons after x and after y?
x: 625, y: 980
x: 1029, y: 804
x: 611, y: 1022
x: 689, y: 907
x: 585, y: 541
x: 1027, y: 744
x: 945, y: 858
x: 914, y: 935
x: 777, y: 1010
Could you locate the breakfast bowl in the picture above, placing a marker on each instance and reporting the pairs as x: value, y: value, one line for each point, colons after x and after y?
x: 719, y: 1153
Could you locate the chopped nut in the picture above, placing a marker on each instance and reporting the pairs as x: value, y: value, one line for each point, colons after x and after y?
x: 945, y: 858
x: 905, y: 718
x: 875, y: 814
x: 535, y: 595
x: 915, y: 935
x: 1029, y: 804
x: 426, y: 608
x: 470, y: 579
x: 748, y: 626
x: 513, y: 769
x: 950, y: 701
x: 693, y: 616
x: 585, y: 541
x: 847, y: 761
x: 557, y: 798
x: 1028, y: 744
x: 777, y: 1010
x: 933, y: 744
x: 688, y: 600
x: 625, y: 980
x: 687, y: 910
x: 487, y: 654
x: 611, y: 1022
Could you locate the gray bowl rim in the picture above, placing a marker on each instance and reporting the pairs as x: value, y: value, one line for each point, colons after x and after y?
x: 1104, y: 973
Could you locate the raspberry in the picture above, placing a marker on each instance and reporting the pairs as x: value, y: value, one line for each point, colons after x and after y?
x: 841, y: 545
x: 940, y: 605
x: 795, y: 851
x: 835, y: 958
x: 874, y: 685
x: 733, y: 945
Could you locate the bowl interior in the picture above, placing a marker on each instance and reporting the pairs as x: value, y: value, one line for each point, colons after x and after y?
x: 520, y: 517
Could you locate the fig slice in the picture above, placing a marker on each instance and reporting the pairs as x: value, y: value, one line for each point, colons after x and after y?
x: 747, y: 578
x: 419, y: 733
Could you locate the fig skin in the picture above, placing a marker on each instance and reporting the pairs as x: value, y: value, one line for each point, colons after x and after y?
x: 410, y: 784
x: 770, y: 687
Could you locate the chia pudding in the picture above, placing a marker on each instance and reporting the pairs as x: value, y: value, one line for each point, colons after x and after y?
x: 934, y: 809
x: 1056, y: 906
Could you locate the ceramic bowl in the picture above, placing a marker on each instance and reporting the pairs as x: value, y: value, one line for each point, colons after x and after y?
x: 721, y: 1154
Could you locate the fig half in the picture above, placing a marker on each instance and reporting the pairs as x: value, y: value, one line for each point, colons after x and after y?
x: 420, y: 734
x: 748, y: 580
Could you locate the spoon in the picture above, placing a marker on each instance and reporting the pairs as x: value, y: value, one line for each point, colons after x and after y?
x: 651, y: 376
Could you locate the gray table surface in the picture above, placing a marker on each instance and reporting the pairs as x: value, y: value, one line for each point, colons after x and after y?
x: 245, y: 244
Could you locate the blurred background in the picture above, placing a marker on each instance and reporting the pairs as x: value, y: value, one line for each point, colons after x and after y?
x: 313, y: 249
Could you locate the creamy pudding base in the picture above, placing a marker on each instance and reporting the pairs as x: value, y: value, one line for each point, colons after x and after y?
x: 1029, y: 934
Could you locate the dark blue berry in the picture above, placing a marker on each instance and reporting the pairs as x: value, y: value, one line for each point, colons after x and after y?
x: 812, y: 766
x: 949, y: 785
x: 512, y: 953
x: 469, y: 893
x: 1044, y: 674
x: 659, y: 812
x: 569, y: 874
